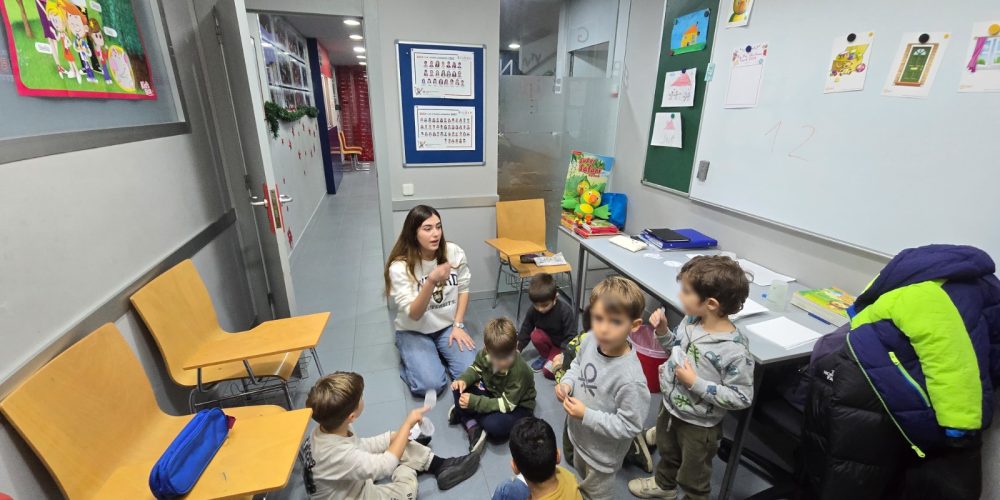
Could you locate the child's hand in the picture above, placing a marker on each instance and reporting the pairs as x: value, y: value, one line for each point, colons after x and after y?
x: 685, y: 373
x: 659, y: 321
x: 557, y: 362
x: 458, y: 385
x: 562, y: 390
x: 463, y: 400
x: 415, y: 416
x: 574, y: 407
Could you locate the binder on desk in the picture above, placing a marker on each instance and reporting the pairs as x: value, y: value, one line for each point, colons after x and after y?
x: 694, y: 240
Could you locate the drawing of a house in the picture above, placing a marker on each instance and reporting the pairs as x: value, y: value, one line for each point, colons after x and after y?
x: 690, y: 36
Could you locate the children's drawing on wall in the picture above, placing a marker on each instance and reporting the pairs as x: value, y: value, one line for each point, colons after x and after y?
x: 741, y: 13
x: 981, y: 72
x: 667, y: 130
x: 849, y: 62
x: 77, y: 48
x: 690, y: 32
x: 917, y: 62
x: 678, y: 88
x: 746, y: 76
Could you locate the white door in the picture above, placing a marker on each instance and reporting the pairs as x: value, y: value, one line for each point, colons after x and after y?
x: 231, y: 62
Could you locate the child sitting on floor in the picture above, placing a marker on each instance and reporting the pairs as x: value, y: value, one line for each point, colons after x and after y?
x: 714, y: 376
x: 497, y: 390
x: 346, y: 466
x: 534, y: 457
x: 549, y: 325
x: 604, y: 391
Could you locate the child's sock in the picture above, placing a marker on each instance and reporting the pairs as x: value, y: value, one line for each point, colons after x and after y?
x: 436, y: 464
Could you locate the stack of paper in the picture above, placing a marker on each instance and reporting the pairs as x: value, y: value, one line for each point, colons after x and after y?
x: 784, y: 332
x: 749, y: 309
x: 762, y: 275
x: 551, y: 260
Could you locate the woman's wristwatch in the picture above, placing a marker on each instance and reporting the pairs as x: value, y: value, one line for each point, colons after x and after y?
x: 459, y: 324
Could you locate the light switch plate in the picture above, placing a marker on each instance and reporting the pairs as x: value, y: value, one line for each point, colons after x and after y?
x: 407, y: 189
x: 703, y: 170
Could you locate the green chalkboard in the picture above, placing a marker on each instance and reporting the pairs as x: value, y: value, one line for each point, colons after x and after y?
x: 671, y: 167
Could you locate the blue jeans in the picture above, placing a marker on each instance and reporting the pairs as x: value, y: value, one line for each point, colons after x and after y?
x: 512, y: 489
x: 428, y: 362
x: 497, y: 425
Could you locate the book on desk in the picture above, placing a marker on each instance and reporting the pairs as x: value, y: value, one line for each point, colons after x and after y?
x: 693, y: 239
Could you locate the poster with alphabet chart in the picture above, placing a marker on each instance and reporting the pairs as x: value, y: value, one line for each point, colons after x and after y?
x: 442, y: 74
x: 77, y: 48
x: 445, y: 128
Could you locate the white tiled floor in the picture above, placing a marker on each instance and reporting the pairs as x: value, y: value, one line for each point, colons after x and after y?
x: 337, y: 267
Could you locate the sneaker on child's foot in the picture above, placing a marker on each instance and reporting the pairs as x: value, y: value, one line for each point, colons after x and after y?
x: 457, y: 469
x: 423, y: 439
x: 452, y: 416
x: 646, y: 487
x: 638, y: 454
x: 477, y: 438
x: 538, y: 364
x: 650, y: 436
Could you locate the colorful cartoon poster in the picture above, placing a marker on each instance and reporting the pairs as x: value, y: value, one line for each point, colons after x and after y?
x: 849, y: 62
x: 445, y: 128
x: 917, y: 62
x: 586, y: 180
x: 667, y: 130
x: 678, y: 88
x: 443, y: 74
x: 981, y: 72
x: 740, y: 15
x: 746, y: 76
x: 690, y: 32
x: 77, y: 48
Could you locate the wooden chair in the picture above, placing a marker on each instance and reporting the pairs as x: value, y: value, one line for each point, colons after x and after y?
x: 91, y: 417
x: 353, y: 151
x: 521, y: 230
x: 178, y: 311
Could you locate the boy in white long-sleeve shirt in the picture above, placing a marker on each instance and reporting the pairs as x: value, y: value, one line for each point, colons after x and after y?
x: 604, y: 391
x: 346, y: 466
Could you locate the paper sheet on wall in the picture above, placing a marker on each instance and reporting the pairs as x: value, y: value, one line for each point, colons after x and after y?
x: 916, y: 64
x: 849, y: 62
x: 740, y: 14
x: 678, y: 88
x: 981, y: 66
x: 667, y: 130
x: 762, y: 275
x: 746, y: 76
x: 445, y: 128
x: 444, y: 74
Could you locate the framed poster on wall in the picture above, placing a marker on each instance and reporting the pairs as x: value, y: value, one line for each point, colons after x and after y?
x: 441, y: 103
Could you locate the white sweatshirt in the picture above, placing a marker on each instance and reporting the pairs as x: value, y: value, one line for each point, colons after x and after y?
x: 441, y: 308
x: 346, y: 467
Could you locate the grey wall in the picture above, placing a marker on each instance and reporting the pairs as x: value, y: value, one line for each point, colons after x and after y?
x: 80, y: 226
x: 446, y: 188
x: 814, y: 262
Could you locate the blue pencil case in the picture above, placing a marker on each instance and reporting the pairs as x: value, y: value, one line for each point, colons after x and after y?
x: 180, y: 466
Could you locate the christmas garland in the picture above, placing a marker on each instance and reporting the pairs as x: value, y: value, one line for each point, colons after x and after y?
x: 273, y: 113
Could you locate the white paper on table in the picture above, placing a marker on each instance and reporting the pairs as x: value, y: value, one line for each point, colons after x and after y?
x: 693, y: 255
x: 672, y: 263
x: 848, y: 66
x: 762, y: 275
x: 784, y: 332
x: 896, y: 84
x: 746, y: 76
x: 652, y: 255
x: 551, y: 260
x: 667, y: 130
x: 750, y: 307
x: 678, y: 88
x: 981, y: 66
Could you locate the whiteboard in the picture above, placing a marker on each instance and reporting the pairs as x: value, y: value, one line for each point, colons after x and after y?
x: 879, y: 173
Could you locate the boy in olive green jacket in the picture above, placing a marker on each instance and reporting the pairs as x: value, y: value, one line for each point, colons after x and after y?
x: 497, y: 390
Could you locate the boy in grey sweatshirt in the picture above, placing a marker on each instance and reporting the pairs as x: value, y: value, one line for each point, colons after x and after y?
x: 715, y: 375
x: 604, y: 391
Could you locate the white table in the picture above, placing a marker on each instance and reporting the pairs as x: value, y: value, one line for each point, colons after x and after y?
x: 660, y: 281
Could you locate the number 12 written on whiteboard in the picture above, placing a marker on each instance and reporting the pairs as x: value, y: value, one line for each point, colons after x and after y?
x: 776, y: 130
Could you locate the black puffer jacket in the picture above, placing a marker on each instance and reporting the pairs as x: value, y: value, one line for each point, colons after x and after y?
x: 852, y: 450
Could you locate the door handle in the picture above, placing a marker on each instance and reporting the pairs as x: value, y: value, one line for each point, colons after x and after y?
x: 285, y: 198
x: 257, y: 201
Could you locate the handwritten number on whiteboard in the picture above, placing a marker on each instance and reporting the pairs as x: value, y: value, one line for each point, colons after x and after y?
x: 776, y: 130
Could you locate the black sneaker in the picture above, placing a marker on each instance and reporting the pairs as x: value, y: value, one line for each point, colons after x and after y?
x: 638, y: 455
x: 477, y: 438
x: 423, y: 439
x: 457, y: 469
x: 452, y: 416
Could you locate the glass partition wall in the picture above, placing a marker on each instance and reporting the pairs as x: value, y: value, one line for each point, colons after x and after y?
x: 560, y: 74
